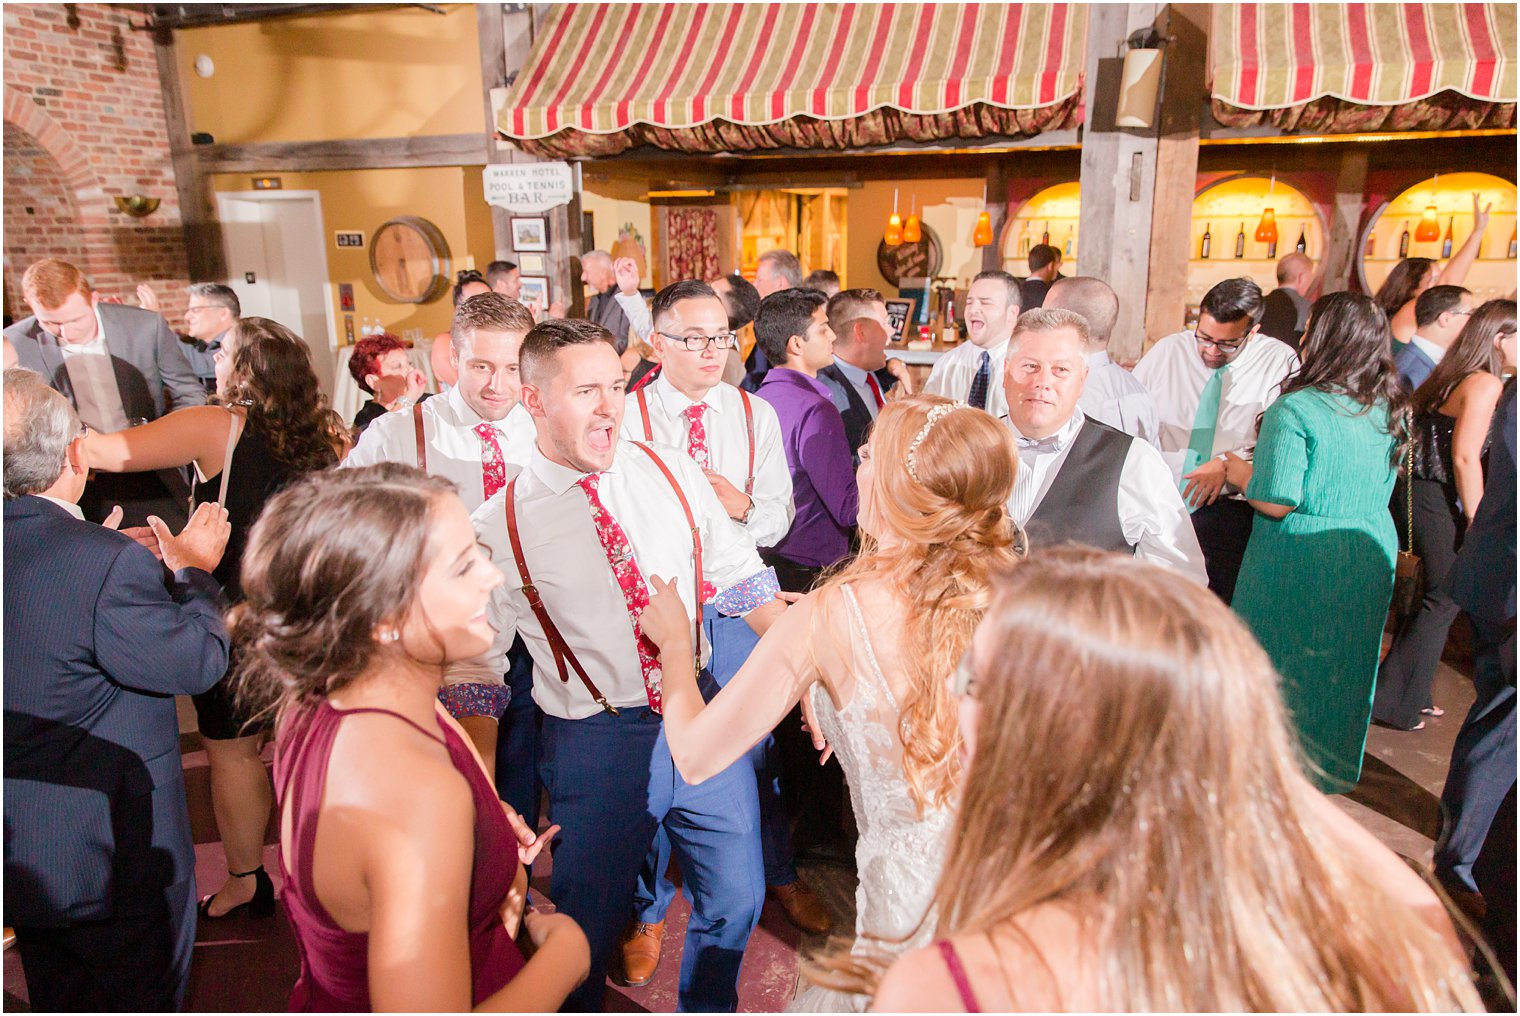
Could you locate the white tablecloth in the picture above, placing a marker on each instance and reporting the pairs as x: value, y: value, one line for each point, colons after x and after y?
x: 348, y: 397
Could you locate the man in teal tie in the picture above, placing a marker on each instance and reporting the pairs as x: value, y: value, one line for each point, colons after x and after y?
x: 1210, y: 384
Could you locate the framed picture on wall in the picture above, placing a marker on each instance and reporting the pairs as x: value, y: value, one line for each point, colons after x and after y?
x: 530, y: 234
x: 534, y: 289
x: 899, y: 313
x: 532, y: 264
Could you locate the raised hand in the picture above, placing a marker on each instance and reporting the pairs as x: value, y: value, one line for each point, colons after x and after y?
x: 626, y: 272
x: 199, y: 544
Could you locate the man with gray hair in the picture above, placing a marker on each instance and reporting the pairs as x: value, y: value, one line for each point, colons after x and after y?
x: 99, y: 861
x: 1081, y: 480
x: 1111, y: 395
x: 212, y: 311
x: 776, y: 270
x: 616, y: 303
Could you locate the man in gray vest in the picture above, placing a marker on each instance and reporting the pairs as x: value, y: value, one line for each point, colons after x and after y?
x: 1079, y: 480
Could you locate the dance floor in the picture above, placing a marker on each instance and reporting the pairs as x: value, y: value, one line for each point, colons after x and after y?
x: 244, y: 965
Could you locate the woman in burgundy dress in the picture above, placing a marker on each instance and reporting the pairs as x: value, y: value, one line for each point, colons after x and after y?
x: 404, y: 872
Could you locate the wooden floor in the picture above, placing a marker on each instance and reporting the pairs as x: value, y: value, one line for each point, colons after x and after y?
x: 244, y: 965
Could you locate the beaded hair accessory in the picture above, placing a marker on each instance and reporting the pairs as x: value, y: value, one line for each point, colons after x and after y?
x: 935, y: 415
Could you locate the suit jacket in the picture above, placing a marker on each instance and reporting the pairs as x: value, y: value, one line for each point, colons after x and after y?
x: 1413, y: 366
x: 1284, y: 313
x: 97, y: 644
x: 1482, y: 580
x: 856, y: 414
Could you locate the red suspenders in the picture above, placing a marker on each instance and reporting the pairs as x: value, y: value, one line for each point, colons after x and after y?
x: 749, y: 431
x: 563, y: 654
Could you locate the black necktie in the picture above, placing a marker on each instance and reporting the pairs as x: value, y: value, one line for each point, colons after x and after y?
x: 978, y: 397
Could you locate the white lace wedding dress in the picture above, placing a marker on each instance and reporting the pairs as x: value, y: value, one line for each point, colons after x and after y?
x: 899, y: 854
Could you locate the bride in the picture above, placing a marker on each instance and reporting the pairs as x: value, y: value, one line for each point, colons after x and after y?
x: 872, y: 648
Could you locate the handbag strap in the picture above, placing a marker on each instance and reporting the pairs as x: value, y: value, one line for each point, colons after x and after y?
x: 1409, y: 497
x: 232, y: 436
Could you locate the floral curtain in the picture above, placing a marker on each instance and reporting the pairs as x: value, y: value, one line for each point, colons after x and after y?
x: 691, y: 243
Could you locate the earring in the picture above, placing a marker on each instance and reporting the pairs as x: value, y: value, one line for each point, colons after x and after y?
x: 390, y: 635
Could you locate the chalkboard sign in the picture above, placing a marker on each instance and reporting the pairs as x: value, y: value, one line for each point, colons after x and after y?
x: 920, y: 260
x: 899, y: 313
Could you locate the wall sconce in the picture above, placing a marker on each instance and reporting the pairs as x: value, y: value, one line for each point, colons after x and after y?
x: 1141, y: 81
x: 137, y: 205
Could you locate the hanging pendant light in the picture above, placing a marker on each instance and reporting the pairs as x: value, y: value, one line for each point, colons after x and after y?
x: 982, y: 236
x: 1429, y: 229
x: 1266, y: 229
x: 912, y: 233
x: 894, y: 224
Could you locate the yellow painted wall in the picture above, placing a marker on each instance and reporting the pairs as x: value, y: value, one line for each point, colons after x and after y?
x: 361, y: 74
x: 949, y: 207
x: 363, y: 200
x: 614, y: 203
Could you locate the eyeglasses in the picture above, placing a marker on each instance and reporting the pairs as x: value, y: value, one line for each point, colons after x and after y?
x: 196, y: 308
x: 697, y: 343
x: 1223, y: 347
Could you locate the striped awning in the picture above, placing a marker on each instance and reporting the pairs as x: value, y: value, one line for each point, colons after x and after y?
x: 684, y: 75
x: 1278, y: 56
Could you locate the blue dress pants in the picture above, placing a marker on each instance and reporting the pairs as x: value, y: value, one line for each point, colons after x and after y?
x: 611, y: 784
x: 732, y: 641
x: 517, y: 739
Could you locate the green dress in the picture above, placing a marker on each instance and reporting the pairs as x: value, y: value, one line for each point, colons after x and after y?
x: 1314, y: 585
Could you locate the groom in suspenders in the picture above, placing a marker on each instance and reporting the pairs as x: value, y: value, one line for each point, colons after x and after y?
x: 476, y: 435
x: 578, y: 533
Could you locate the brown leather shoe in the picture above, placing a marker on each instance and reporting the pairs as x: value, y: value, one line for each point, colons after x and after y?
x: 803, y: 907
x: 641, y: 953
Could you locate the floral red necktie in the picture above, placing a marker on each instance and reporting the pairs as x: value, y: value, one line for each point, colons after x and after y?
x: 493, y: 468
x: 635, y: 591
x: 696, y: 436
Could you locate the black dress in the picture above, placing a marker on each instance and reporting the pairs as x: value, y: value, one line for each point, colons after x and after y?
x: 256, y: 477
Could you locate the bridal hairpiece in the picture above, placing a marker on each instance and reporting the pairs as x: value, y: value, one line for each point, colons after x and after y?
x: 935, y: 415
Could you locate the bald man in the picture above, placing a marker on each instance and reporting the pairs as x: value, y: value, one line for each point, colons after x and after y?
x: 1285, y: 311
x: 1112, y: 395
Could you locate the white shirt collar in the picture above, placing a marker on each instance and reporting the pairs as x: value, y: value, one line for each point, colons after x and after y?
x: 560, y: 478
x: 675, y: 402
x: 68, y: 506
x: 1427, y: 347
x: 1098, y: 359
x: 1062, y: 436
x: 467, y: 416
x: 855, y: 374
x: 95, y: 347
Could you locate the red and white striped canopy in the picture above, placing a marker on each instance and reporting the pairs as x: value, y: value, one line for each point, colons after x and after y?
x: 1277, y: 56
x: 606, y: 68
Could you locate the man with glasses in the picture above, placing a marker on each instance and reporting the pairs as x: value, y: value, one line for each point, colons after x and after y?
x: 1210, y: 385
x: 120, y: 366
x: 212, y: 311
x: 1440, y: 314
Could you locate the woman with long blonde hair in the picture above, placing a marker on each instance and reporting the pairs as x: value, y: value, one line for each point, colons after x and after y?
x: 869, y: 652
x: 1136, y: 832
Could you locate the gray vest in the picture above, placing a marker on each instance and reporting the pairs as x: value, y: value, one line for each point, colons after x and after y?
x: 1082, y: 504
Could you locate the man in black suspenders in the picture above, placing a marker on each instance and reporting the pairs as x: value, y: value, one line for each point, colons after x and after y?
x: 592, y: 520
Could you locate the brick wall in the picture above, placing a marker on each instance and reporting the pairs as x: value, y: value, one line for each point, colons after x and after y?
x: 84, y: 123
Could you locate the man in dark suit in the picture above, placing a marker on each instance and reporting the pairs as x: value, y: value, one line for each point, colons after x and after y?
x: 861, y: 375
x: 119, y: 366
x: 99, y: 864
x: 1482, y: 582
x: 1440, y: 314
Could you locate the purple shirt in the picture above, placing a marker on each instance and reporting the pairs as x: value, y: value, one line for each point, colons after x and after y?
x: 823, y: 473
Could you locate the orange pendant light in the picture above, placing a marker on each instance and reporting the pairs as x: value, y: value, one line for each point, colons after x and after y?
x: 912, y: 232
x: 1429, y: 229
x: 894, y: 224
x: 1266, y: 229
x: 983, y: 235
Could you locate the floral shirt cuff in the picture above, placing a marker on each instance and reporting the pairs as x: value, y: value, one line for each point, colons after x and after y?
x: 743, y: 597
x: 470, y: 699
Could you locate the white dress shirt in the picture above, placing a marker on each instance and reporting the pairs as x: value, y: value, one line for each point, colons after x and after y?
x: 573, y: 576
x: 96, y: 394
x: 1175, y: 375
x: 857, y: 379
x: 636, y: 310
x: 454, y: 450
x: 1427, y: 347
x: 954, y: 371
x: 1113, y: 396
x: 69, y: 506
x: 1151, y: 513
x: 727, y: 447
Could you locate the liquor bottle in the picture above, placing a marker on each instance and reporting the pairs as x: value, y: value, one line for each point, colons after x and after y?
x: 1404, y: 241
x: 1067, y: 248
x: 1303, y: 244
x: 1240, y: 242
x: 1024, y: 239
x: 1446, y: 241
x: 1208, y: 241
x: 1272, y: 251
x: 1045, y: 236
x: 1371, y: 243
x: 1512, y: 243
x: 950, y: 335
x: 348, y: 328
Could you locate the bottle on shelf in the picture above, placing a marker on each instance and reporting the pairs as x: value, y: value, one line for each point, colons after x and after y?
x: 1446, y: 240
x: 1023, y: 239
x: 1303, y: 243
x: 1208, y: 241
x: 1371, y: 243
x: 1404, y: 241
x: 1272, y: 251
x: 1045, y: 236
x: 949, y: 335
x: 1511, y: 243
x: 1067, y: 247
x: 1240, y: 242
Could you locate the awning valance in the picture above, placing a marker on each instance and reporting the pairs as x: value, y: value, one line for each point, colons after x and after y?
x: 721, y: 77
x: 1364, y: 66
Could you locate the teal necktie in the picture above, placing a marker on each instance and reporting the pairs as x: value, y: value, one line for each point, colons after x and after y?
x: 1201, y: 441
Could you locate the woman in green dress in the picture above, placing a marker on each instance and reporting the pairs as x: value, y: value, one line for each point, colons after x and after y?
x: 1318, y: 572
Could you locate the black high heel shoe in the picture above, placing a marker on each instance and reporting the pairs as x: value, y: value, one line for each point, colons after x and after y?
x: 262, y: 904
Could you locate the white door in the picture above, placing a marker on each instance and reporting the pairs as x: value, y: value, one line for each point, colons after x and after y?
x: 277, y: 265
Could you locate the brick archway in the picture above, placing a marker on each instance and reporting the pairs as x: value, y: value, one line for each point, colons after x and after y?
x: 89, y: 195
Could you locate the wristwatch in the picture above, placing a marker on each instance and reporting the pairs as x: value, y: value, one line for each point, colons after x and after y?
x: 744, y: 519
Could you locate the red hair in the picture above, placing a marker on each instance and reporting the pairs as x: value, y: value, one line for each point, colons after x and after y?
x: 367, y: 354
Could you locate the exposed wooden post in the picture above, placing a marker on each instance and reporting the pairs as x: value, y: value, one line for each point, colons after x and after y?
x: 1118, y: 176
x: 205, y: 259
x: 1183, y: 79
x: 997, y: 209
x: 1345, y: 222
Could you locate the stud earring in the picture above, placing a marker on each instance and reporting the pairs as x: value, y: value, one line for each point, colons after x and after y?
x: 391, y: 635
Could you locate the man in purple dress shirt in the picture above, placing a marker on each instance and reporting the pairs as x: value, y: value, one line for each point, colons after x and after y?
x: 792, y: 330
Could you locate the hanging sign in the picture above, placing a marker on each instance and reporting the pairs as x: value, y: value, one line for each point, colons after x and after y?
x: 529, y: 186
